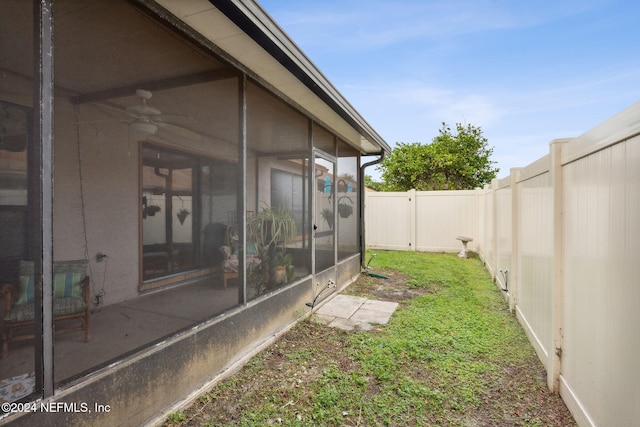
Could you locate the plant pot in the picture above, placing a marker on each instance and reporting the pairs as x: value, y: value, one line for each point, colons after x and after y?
x: 182, y: 215
x: 327, y: 214
x: 280, y: 275
x: 345, y: 210
x: 152, y: 210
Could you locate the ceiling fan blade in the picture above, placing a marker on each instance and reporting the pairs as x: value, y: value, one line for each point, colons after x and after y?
x: 85, y: 122
x: 110, y: 106
x: 172, y: 118
x: 182, y: 131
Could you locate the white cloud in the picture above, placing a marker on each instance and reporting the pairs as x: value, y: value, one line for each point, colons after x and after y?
x: 365, y: 24
x: 413, y: 111
x: 526, y: 72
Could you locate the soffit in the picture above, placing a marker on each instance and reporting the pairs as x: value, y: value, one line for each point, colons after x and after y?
x: 215, y: 26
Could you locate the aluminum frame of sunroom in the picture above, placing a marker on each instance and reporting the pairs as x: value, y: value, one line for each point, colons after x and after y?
x: 268, y: 66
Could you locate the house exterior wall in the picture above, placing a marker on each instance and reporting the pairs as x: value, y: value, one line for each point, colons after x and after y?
x: 158, y: 338
x: 96, y: 201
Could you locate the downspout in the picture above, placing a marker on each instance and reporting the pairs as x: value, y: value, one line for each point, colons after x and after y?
x: 361, y: 200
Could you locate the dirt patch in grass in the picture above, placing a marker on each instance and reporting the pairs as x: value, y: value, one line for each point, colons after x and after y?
x: 395, y: 288
x: 279, y: 377
x: 287, y: 383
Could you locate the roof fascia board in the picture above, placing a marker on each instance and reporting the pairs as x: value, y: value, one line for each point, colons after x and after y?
x: 258, y: 25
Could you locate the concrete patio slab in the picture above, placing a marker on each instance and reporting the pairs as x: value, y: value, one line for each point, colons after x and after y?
x: 341, y: 306
x: 365, y: 315
x: 381, y: 306
x: 349, y: 312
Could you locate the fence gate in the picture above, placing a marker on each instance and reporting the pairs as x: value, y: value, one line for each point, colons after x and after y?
x: 389, y: 220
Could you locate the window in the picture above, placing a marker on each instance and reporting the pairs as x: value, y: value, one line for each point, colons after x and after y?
x: 20, y: 227
x: 15, y: 123
x: 167, y: 212
x: 286, y: 191
x: 182, y: 196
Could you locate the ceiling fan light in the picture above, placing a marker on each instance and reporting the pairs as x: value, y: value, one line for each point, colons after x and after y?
x: 144, y: 128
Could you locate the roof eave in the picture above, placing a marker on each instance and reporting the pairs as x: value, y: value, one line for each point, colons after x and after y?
x: 257, y: 24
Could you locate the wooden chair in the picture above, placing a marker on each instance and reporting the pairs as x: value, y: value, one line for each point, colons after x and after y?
x: 71, y: 300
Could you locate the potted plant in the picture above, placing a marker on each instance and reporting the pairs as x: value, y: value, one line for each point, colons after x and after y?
x: 152, y: 210
x: 282, y: 268
x: 271, y: 228
x: 327, y: 214
x: 182, y: 215
x: 345, y: 209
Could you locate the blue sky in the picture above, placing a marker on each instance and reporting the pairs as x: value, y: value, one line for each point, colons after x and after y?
x: 526, y: 72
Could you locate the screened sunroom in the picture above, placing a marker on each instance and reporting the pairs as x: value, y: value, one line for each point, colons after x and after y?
x: 190, y: 162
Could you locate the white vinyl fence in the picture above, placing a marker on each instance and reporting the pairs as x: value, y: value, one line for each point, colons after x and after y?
x: 562, y: 236
x: 407, y: 221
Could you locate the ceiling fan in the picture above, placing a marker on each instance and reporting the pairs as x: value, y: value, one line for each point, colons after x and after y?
x: 147, y: 119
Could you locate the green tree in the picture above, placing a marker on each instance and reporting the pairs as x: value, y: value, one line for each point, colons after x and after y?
x: 374, y: 185
x: 453, y: 161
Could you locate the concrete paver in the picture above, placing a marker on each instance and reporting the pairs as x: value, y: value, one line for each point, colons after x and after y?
x: 350, y: 312
x: 341, y: 306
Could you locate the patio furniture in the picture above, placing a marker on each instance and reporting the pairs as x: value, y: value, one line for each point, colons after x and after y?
x: 230, y: 262
x: 71, y: 301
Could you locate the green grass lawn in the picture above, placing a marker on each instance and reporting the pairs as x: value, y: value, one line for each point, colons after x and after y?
x: 452, y: 355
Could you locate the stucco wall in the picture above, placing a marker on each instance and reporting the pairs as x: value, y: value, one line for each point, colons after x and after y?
x: 96, y: 199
